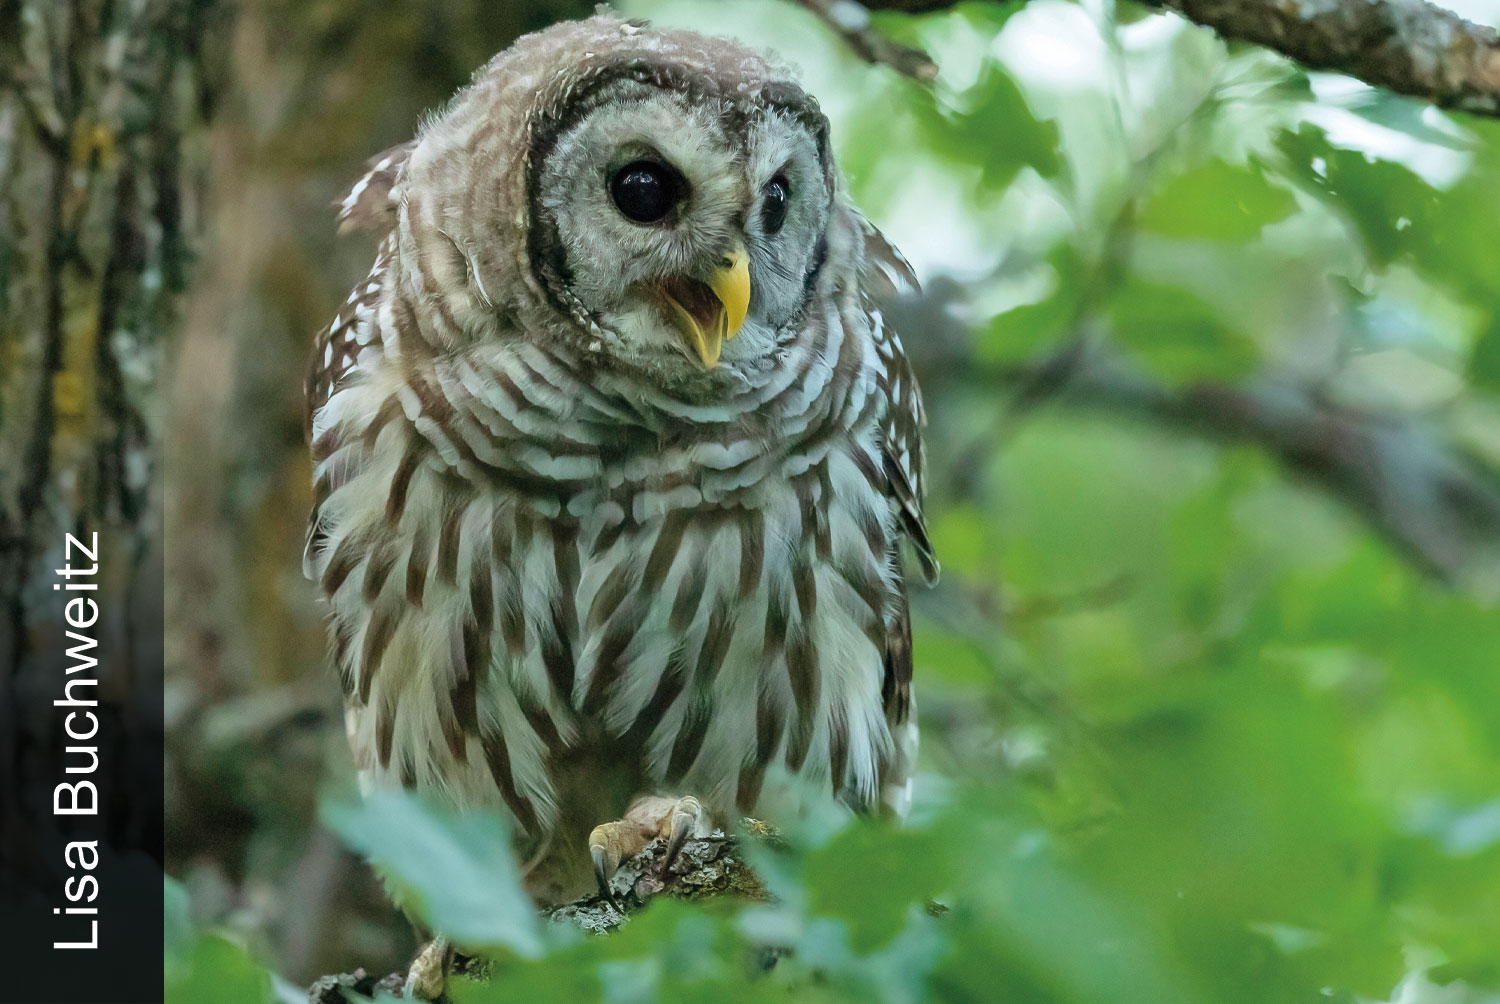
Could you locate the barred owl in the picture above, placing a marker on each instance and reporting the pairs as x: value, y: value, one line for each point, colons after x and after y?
x: 617, y: 468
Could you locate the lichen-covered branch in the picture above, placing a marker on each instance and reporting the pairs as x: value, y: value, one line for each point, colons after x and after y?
x: 1409, y: 47
x: 704, y: 869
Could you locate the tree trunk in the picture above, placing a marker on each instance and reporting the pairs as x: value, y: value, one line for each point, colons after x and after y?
x: 102, y: 105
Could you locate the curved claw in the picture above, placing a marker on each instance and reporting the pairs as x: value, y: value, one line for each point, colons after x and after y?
x: 605, y: 862
x: 428, y: 974
x: 684, y: 823
x: 648, y: 818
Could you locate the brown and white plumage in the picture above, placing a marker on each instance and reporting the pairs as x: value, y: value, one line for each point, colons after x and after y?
x: 568, y: 563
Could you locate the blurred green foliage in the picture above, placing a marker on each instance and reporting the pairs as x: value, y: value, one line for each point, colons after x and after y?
x: 203, y: 965
x: 1193, y: 729
x: 453, y: 869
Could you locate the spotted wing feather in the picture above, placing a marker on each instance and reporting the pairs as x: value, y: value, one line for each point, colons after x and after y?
x: 371, y: 204
x: 887, y: 273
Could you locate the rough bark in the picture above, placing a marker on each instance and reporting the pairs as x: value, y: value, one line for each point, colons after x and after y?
x: 97, y: 212
x: 1410, y: 48
x: 101, y: 107
x: 705, y: 869
x: 312, y: 90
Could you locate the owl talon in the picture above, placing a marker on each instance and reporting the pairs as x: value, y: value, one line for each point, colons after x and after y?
x: 685, y: 817
x: 600, y: 841
x: 649, y: 817
x: 428, y: 975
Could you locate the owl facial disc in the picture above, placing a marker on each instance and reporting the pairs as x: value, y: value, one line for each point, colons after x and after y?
x: 708, y: 312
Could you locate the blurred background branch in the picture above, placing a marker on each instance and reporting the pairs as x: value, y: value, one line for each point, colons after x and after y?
x: 851, y: 20
x: 1433, y: 499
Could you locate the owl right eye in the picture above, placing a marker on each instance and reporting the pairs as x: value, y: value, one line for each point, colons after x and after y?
x: 645, y: 191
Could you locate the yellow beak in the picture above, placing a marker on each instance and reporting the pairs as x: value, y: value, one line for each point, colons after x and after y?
x: 709, y: 321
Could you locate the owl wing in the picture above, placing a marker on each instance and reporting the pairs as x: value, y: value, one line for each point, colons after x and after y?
x: 402, y: 543
x: 351, y: 340
x: 886, y: 273
x: 351, y: 344
x: 371, y: 204
x: 902, y: 456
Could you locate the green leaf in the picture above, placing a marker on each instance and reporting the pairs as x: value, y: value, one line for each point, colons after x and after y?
x: 216, y: 970
x: 1217, y: 201
x: 1022, y: 331
x: 982, y: 17
x: 987, y: 123
x: 1448, y: 235
x: 1178, y: 334
x: 456, y: 869
x: 1027, y: 925
x: 1012, y: 135
x: 1484, y: 364
x: 1411, y: 116
x: 1391, y: 206
x: 177, y: 921
x: 871, y: 875
x: 992, y: 127
x: 1019, y: 332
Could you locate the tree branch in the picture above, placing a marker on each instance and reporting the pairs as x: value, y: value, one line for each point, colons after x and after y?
x: 1435, y: 503
x: 1428, y: 498
x: 1410, y: 47
x: 1409, y: 479
x: 851, y: 20
x: 706, y: 868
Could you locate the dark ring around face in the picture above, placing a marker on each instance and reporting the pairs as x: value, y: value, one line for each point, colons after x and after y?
x: 574, y: 98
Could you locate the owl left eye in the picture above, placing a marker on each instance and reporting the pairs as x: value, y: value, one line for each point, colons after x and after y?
x: 773, y: 204
x: 645, y: 191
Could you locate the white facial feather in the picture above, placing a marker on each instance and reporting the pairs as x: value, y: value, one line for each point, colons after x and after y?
x: 611, y: 261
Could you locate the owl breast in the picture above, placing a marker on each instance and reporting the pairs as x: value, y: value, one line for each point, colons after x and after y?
x: 554, y: 588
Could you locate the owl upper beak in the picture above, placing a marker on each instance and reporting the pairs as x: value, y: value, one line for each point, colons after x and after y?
x: 709, y: 316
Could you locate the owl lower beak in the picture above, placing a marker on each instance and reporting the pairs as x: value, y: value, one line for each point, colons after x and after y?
x: 711, y: 316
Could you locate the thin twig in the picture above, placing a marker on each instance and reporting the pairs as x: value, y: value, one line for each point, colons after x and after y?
x: 851, y: 20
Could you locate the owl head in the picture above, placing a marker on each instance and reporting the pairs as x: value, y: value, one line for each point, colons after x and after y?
x: 663, y: 201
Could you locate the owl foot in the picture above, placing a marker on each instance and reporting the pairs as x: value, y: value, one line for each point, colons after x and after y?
x: 649, y: 817
x: 428, y: 975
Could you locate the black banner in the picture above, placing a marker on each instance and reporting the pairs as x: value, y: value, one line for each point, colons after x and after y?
x: 81, y: 775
